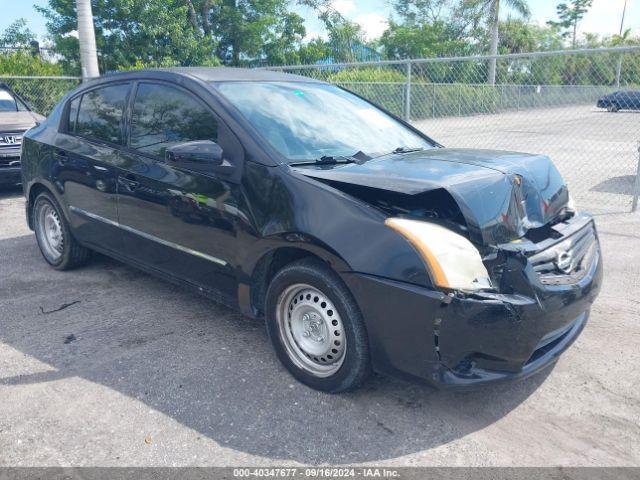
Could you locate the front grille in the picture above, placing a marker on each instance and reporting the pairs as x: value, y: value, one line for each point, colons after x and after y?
x: 9, y: 140
x: 10, y: 143
x: 568, y: 261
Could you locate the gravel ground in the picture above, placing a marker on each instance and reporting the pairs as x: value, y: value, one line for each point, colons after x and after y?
x: 107, y: 366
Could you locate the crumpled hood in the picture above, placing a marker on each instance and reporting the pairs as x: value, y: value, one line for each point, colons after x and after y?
x: 18, y: 121
x: 500, y: 194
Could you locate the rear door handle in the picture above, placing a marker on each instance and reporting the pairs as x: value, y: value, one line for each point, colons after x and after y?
x: 129, y: 182
x: 61, y: 156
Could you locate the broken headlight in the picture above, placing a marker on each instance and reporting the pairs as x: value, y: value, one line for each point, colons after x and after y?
x: 452, y: 260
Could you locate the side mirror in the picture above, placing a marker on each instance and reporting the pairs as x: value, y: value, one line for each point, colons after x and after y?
x: 200, y: 156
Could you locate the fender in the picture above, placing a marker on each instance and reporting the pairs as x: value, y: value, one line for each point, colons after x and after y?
x: 253, y: 270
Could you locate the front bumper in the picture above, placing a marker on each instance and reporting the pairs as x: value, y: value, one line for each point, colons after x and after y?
x: 474, y: 339
x: 10, y: 176
x: 10, y: 172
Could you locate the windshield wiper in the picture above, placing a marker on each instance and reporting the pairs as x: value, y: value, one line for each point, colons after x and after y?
x: 358, y: 157
x: 407, y: 149
x: 400, y: 150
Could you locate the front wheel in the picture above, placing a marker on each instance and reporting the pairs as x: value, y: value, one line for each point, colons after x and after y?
x: 316, y: 328
x: 57, y: 245
x: 613, y: 107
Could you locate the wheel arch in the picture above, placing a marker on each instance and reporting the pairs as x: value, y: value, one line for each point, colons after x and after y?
x: 252, y: 293
x: 32, y: 191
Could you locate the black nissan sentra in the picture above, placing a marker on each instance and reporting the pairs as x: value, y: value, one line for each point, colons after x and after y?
x: 363, y: 243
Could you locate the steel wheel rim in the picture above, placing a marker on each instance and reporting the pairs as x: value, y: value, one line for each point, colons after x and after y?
x: 49, y: 231
x: 311, y: 330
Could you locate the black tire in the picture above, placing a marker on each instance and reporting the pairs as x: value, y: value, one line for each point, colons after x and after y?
x: 72, y: 254
x: 613, y: 107
x: 356, y: 364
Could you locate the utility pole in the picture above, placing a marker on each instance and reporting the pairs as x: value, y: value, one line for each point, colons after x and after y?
x: 619, y: 62
x: 87, y: 39
x: 624, y: 11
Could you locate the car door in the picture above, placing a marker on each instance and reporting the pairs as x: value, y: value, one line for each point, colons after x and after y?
x: 175, y: 220
x: 86, y: 157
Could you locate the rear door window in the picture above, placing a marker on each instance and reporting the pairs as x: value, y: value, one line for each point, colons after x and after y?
x: 100, y: 113
x: 164, y: 116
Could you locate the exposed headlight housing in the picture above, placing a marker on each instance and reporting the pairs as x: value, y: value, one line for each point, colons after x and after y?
x: 452, y: 260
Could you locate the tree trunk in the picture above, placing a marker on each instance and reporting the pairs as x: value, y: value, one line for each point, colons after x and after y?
x: 235, y: 55
x: 87, y: 39
x: 495, y: 20
x: 193, y: 18
x: 206, y: 24
x: 575, y: 31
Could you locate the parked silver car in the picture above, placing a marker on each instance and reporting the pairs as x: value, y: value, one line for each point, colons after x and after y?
x: 16, y: 118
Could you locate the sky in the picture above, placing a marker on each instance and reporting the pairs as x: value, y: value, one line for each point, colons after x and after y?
x: 603, y: 17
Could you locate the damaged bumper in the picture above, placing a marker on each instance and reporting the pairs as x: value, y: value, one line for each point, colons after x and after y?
x: 474, y: 339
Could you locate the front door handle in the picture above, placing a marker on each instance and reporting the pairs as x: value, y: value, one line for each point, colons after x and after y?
x: 129, y: 182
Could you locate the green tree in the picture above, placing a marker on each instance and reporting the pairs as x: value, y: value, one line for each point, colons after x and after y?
x: 315, y: 50
x: 345, y: 36
x: 416, y: 40
x: 427, y: 28
x: 23, y: 63
x: 518, y: 36
x: 249, y: 29
x: 148, y: 32
x: 17, y: 35
x: 569, y: 15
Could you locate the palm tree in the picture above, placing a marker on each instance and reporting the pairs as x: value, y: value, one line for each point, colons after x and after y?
x: 491, y: 10
x: 87, y: 39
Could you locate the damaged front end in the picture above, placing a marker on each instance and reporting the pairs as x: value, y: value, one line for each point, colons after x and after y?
x: 536, y: 308
x: 541, y: 260
x: 540, y: 303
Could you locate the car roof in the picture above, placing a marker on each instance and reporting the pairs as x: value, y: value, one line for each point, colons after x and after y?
x: 232, y: 74
x: 210, y: 74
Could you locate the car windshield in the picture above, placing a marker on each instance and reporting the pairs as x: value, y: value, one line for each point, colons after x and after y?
x: 309, y: 121
x: 7, y: 102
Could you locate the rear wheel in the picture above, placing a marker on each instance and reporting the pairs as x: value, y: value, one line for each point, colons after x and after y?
x: 316, y: 327
x: 57, y: 245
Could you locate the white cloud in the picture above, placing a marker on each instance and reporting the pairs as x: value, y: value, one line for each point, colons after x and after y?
x: 374, y: 24
x: 344, y: 7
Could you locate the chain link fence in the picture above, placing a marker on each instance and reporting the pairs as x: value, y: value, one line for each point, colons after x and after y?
x: 545, y: 102
x: 41, y: 93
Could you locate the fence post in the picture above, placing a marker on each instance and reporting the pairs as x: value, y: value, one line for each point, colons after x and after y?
x: 433, y: 102
x: 619, y: 70
x: 407, y: 92
x: 636, y: 186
